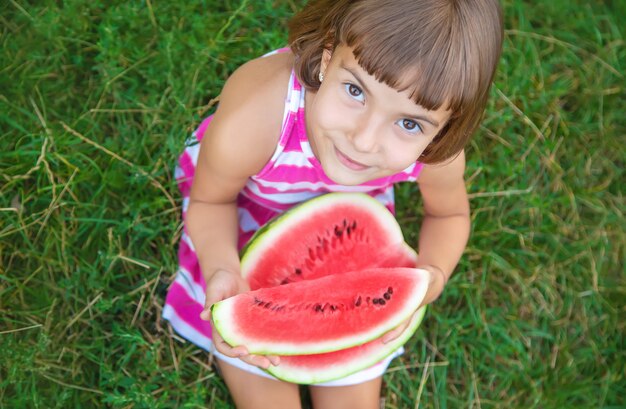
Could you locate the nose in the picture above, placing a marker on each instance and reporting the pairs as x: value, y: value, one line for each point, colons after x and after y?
x: 365, y: 137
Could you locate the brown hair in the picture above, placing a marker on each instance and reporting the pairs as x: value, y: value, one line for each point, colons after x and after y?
x: 448, y: 48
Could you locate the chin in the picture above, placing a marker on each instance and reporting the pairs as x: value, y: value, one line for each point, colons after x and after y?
x: 343, y: 176
x: 347, y: 179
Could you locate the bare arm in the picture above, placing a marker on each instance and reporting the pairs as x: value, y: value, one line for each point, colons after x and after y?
x: 446, y: 224
x: 239, y: 141
x: 237, y: 144
x: 445, y: 227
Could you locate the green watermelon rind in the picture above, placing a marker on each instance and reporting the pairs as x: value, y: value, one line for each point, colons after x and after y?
x: 264, y: 237
x: 222, y: 313
x: 309, y: 377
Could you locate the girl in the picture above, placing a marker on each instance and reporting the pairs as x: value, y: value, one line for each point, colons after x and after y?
x: 370, y: 93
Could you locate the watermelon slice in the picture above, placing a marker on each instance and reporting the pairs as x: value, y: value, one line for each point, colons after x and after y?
x: 311, y: 369
x: 329, y: 234
x: 322, y: 315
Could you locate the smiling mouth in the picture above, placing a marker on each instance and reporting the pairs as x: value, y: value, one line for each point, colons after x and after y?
x: 349, y: 163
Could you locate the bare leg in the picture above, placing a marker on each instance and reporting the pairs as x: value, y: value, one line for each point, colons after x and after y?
x: 252, y: 391
x: 365, y: 395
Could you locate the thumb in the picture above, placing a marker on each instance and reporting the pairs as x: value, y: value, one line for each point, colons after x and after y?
x: 208, y: 303
x: 205, y: 315
x: 437, y: 281
x: 212, y: 296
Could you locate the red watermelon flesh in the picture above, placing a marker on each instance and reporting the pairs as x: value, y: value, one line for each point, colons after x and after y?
x: 330, y: 234
x: 317, y: 368
x: 322, y: 315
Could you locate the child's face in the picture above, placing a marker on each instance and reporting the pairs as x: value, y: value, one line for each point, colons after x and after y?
x: 361, y: 129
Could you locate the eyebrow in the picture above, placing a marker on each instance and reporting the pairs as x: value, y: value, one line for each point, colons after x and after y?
x: 424, y: 118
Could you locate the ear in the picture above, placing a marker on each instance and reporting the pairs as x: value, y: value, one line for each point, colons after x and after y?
x: 326, y: 56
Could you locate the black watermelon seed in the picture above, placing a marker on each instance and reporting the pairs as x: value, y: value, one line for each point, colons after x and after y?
x: 387, y: 296
x: 381, y: 301
x: 375, y: 300
x: 298, y: 271
x: 390, y: 290
x: 358, y: 301
x: 318, y: 307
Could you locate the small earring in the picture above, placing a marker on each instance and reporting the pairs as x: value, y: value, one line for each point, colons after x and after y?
x: 321, y: 76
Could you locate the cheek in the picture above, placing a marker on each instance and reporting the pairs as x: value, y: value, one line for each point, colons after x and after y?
x: 330, y: 113
x: 402, y: 155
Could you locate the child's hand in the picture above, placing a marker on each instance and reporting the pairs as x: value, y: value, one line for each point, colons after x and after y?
x: 437, y: 280
x: 224, y: 284
x: 397, y: 331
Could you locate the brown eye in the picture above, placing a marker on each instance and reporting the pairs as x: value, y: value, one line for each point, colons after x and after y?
x: 409, y: 126
x: 354, y: 91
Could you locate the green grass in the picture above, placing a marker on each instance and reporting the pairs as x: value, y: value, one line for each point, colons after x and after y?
x: 96, y: 99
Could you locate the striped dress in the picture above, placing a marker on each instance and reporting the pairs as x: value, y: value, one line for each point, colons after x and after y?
x: 291, y: 176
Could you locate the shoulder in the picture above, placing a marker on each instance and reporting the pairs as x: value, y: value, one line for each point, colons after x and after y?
x: 450, y: 171
x: 250, y: 111
x: 257, y: 90
x: 259, y: 83
x: 443, y: 187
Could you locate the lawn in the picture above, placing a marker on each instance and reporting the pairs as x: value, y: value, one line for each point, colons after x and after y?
x: 96, y: 99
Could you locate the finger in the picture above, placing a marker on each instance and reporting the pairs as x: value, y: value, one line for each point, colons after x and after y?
x: 242, y: 353
x: 234, y: 352
x: 274, y: 360
x: 396, y: 332
x: 391, y: 335
x: 205, y: 315
x: 224, y: 348
x: 257, y: 360
x: 437, y: 281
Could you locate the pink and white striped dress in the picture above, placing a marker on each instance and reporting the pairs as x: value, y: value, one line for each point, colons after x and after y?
x: 291, y: 176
